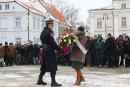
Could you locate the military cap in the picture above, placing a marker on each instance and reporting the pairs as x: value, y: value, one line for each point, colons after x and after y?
x: 49, y: 22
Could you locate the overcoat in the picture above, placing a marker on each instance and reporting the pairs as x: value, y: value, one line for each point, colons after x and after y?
x: 49, y: 62
x: 109, y: 46
x: 2, y: 52
x: 77, y: 55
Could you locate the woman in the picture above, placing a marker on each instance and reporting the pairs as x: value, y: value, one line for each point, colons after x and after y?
x: 126, y: 50
x: 117, y: 51
x: 121, y: 45
x: 78, y: 57
x: 99, y: 51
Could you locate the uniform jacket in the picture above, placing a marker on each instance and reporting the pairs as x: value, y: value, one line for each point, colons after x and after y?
x: 77, y: 55
x: 2, y: 52
x: 49, y: 63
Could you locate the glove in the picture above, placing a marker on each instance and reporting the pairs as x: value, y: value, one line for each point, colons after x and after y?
x: 61, y: 51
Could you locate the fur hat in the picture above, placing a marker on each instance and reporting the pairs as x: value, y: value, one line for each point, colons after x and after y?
x: 81, y: 28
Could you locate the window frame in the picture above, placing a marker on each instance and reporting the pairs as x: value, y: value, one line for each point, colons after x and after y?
x: 6, y: 6
x: 0, y: 7
x: 123, y: 22
x: 18, y: 40
x: 34, y: 22
x: 18, y: 23
x: 1, y: 27
x: 123, y: 6
x: 99, y: 22
x: 38, y: 23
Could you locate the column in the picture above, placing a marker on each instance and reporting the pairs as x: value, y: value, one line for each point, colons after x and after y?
x: 91, y: 26
x: 116, y: 32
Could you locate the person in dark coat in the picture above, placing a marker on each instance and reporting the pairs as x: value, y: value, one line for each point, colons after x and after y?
x: 99, y: 51
x: 121, y: 45
x: 30, y: 53
x: 109, y: 47
x: 126, y: 50
x: 94, y: 41
x: 117, y: 52
x: 6, y: 59
x: 49, y: 62
x: 88, y: 47
x: 35, y: 54
x: 18, y: 55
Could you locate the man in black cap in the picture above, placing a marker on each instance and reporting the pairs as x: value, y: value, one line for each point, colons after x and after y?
x: 109, y: 47
x: 49, y: 63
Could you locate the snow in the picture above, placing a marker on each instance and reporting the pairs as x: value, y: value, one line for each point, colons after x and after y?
x: 27, y: 76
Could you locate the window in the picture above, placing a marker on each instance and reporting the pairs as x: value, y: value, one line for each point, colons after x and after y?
x: 34, y: 22
x: 0, y: 7
x: 7, y: 6
x: 109, y: 22
x: 99, y: 22
x: 123, y: 34
x: 17, y: 22
x: 123, y: 21
x: 38, y: 23
x: 18, y: 40
x: 123, y: 6
x: 3, y: 23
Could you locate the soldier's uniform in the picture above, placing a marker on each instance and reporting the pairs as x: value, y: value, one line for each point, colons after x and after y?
x: 2, y: 53
x: 11, y: 53
x: 24, y: 55
x: 30, y: 57
x: 18, y: 55
x: 49, y: 63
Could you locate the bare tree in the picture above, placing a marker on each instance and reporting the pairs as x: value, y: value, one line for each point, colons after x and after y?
x: 70, y: 12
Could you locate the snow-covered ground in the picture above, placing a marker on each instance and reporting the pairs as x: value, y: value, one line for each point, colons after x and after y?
x: 27, y: 76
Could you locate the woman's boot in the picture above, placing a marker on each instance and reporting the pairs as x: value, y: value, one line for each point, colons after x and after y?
x: 82, y: 78
x: 78, y: 81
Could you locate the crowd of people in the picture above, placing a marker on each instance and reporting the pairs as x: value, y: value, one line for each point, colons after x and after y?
x: 111, y: 52
x: 19, y: 54
x: 108, y: 53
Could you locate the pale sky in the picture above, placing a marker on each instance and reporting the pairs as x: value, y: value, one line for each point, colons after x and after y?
x: 85, y: 5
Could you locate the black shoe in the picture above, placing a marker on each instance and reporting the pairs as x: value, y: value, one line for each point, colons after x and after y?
x: 55, y: 84
x: 41, y: 83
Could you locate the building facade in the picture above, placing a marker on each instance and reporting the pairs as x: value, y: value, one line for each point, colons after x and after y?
x: 113, y: 19
x: 22, y: 21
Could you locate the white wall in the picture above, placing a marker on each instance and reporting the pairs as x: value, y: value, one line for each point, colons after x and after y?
x: 13, y: 6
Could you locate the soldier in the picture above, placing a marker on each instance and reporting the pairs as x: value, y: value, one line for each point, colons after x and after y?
x: 49, y: 63
x: 6, y: 59
x: 11, y: 53
x: 2, y: 53
x: 18, y: 56
x: 24, y: 54
x: 30, y: 58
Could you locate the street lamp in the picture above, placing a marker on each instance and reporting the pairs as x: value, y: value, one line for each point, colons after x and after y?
x: 28, y: 26
x: 105, y: 17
